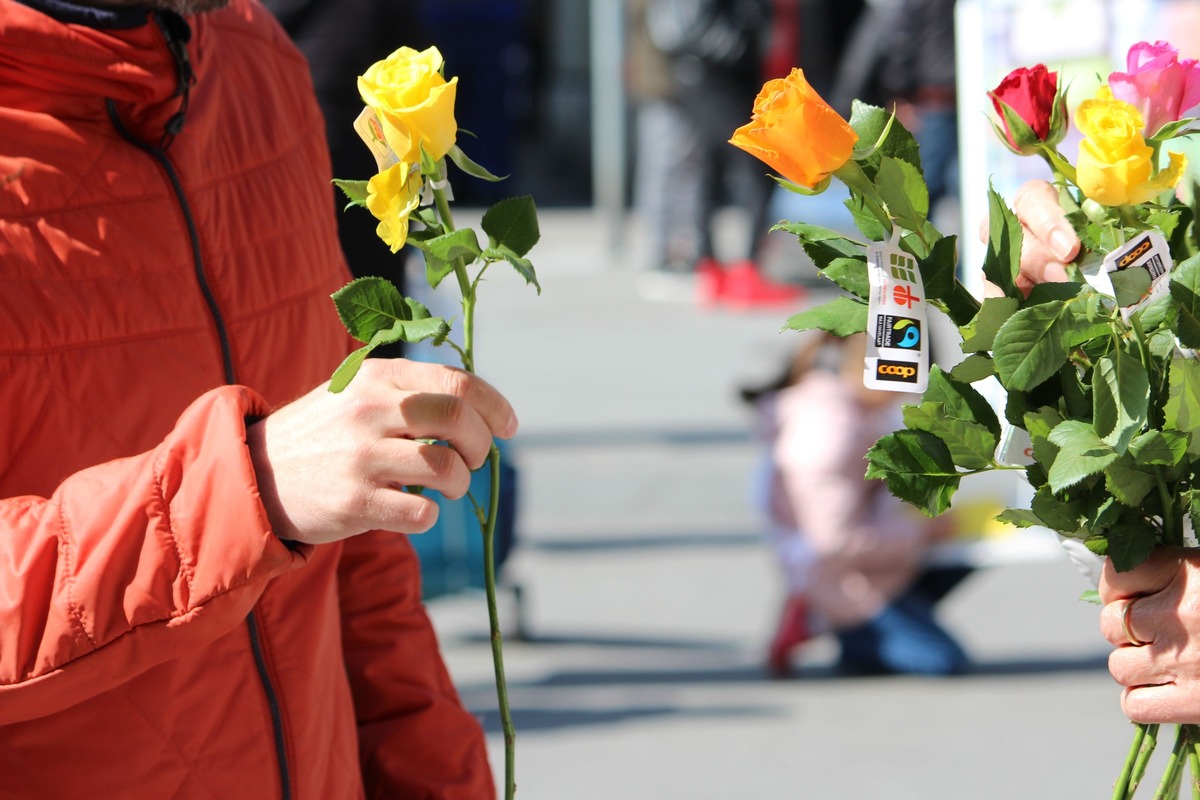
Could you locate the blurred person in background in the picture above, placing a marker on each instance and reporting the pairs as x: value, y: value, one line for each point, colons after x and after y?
x: 851, y: 554
x: 900, y: 55
x: 693, y: 64
x: 918, y: 80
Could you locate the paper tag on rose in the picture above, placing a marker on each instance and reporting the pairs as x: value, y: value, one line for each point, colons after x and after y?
x: 897, y: 357
x: 371, y: 131
x: 1016, y: 447
x: 1136, y: 274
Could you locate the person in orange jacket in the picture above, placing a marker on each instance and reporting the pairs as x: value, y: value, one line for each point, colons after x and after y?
x: 203, y: 587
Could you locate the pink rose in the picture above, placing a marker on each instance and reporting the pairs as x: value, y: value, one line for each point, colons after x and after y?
x: 1157, y: 83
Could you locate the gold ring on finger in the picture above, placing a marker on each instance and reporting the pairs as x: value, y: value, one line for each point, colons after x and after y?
x: 1125, y: 626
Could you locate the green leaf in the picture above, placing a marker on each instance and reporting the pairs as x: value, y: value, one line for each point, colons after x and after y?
x: 470, y: 167
x: 1032, y: 345
x: 458, y: 245
x: 1120, y: 398
x: 1159, y: 448
x: 971, y: 445
x: 917, y: 468
x: 903, y: 191
x: 355, y: 191
x: 822, y: 245
x: 1003, y: 260
x: 370, y: 304
x: 522, y: 265
x: 973, y: 368
x: 348, y: 369
x: 1129, y: 285
x: 1039, y: 423
x: 865, y: 220
x: 1181, y: 412
x: 375, y: 313
x: 980, y: 334
x: 939, y: 267
x: 869, y: 122
x: 851, y: 275
x: 1081, y: 454
x: 512, y: 223
x: 841, y: 316
x: 1076, y: 397
x: 1054, y: 512
x: 1056, y: 291
x: 1129, y: 544
x: 1185, y: 289
x: 961, y: 401
x: 436, y: 270
x: 1126, y: 482
x: 1019, y: 518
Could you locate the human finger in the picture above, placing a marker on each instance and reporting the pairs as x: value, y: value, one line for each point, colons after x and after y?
x: 399, y: 463
x: 1039, y: 264
x: 446, y: 417
x: 1150, y: 577
x: 490, y: 404
x: 1118, y: 626
x: 1036, y: 206
x: 1166, y: 702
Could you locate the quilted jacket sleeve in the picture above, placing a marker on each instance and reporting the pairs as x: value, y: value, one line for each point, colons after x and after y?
x: 133, y: 562
x: 415, y: 738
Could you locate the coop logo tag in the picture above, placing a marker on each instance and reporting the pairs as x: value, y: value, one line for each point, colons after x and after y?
x: 896, y: 371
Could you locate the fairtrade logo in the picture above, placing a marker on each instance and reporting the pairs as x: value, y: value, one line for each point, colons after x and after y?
x: 901, y: 332
x: 903, y: 296
x: 896, y: 371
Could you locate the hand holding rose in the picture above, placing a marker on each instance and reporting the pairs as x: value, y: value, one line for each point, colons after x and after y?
x: 1157, y: 655
x: 331, y: 466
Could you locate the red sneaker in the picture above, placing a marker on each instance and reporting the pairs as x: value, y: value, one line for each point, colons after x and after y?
x: 793, y: 630
x: 745, y: 287
x: 710, y: 281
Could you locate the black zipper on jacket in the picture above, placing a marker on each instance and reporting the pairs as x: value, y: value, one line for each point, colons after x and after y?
x: 260, y: 661
x: 159, y: 155
x: 176, y: 33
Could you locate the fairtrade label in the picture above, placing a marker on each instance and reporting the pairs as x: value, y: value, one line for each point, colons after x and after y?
x: 897, y: 357
x: 1136, y: 274
x: 371, y: 132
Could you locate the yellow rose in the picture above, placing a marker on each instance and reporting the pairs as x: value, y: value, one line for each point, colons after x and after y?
x: 1115, y: 165
x: 795, y: 132
x: 392, y: 195
x: 414, y: 103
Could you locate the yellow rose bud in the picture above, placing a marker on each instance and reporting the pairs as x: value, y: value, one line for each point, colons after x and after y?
x: 392, y: 195
x: 795, y: 132
x: 1115, y: 165
x: 415, y: 104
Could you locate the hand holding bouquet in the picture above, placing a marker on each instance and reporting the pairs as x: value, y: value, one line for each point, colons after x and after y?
x: 1101, y: 383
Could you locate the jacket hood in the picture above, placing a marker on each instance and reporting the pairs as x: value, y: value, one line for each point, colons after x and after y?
x: 54, y: 53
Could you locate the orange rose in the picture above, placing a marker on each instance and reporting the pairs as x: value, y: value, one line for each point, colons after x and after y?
x: 795, y: 132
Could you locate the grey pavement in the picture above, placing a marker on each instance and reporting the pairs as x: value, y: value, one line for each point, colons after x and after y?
x: 648, y: 592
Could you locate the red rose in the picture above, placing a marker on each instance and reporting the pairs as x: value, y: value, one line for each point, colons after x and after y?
x: 1030, y: 108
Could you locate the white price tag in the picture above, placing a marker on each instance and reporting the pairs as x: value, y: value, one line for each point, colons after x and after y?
x: 1147, y: 251
x: 371, y: 131
x: 897, y: 358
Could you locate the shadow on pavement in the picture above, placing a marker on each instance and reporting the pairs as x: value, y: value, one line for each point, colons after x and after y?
x: 528, y: 719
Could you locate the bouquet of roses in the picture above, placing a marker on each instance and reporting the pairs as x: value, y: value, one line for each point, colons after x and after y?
x: 408, y: 124
x: 1099, y: 374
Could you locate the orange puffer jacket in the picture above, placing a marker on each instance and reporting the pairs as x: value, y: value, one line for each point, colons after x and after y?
x: 157, y: 290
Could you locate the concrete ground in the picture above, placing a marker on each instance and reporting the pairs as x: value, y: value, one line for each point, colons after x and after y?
x: 648, y: 591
